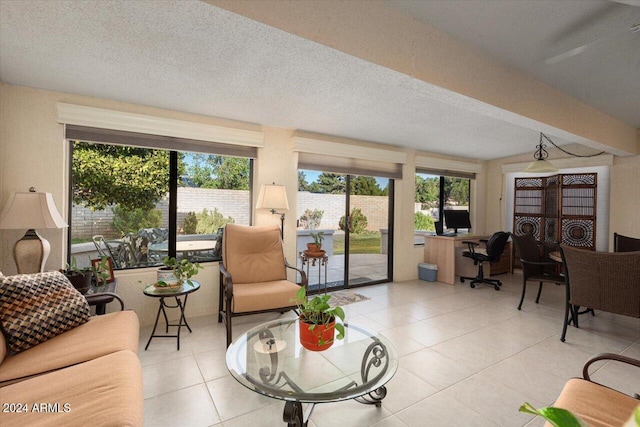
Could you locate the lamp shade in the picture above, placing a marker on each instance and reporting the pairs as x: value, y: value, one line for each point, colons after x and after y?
x: 540, y: 166
x: 31, y: 210
x: 272, y: 196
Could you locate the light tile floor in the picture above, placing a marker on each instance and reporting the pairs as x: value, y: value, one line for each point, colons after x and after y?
x: 468, y: 357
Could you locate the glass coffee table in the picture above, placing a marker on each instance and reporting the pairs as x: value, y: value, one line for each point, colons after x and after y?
x: 269, y: 360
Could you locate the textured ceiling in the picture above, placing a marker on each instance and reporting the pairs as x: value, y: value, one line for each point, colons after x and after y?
x: 189, y: 56
x: 523, y: 34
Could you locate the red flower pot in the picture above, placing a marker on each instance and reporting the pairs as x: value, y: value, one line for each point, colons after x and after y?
x: 318, y: 337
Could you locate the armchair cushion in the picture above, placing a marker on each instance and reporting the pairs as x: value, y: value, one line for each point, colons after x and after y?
x: 597, y: 405
x: 250, y: 254
x: 263, y: 296
x: 37, y: 307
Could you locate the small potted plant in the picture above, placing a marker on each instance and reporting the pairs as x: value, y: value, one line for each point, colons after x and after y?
x: 318, y: 321
x: 80, y: 278
x: 176, y: 273
x: 316, y: 246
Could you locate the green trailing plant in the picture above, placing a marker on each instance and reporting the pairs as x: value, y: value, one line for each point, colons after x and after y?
x: 558, y: 417
x: 184, y: 270
x: 318, y: 311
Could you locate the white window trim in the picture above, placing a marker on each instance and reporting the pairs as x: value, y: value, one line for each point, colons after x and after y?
x: 118, y: 120
x: 319, y: 146
x: 434, y: 163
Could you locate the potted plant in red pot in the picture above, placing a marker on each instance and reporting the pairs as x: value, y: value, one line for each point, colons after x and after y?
x: 318, y: 321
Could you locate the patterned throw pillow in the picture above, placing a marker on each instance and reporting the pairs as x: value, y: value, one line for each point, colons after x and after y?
x: 37, y: 307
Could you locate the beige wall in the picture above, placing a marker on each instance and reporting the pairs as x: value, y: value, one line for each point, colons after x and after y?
x: 34, y: 153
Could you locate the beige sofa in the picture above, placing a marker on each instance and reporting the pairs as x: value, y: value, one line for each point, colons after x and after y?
x: 88, y: 375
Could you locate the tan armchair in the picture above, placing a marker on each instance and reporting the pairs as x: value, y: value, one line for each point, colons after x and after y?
x: 253, y: 276
x: 606, y: 281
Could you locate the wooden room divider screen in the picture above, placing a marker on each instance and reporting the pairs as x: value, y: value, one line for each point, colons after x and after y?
x: 557, y: 209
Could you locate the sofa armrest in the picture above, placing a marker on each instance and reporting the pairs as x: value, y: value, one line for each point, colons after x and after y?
x: 99, y: 295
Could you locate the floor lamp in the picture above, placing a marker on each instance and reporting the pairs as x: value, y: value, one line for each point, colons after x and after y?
x: 274, y: 197
x: 30, y: 211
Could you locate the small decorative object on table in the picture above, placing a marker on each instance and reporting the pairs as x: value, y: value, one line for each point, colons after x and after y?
x: 176, y: 273
x: 318, y: 321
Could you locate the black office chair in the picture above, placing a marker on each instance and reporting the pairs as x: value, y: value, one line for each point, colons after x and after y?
x: 495, y: 247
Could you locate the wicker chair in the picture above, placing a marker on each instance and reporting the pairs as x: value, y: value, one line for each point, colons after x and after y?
x: 533, y: 265
x: 625, y: 244
x: 253, y: 277
x: 602, y: 281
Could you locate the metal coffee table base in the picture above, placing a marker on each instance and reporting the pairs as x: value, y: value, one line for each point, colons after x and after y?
x: 295, y: 416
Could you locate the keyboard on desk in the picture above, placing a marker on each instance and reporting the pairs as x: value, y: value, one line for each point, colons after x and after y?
x: 449, y: 234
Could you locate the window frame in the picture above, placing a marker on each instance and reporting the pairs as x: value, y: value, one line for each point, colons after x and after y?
x: 174, y: 177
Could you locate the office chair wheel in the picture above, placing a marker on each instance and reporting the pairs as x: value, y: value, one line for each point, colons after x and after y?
x: 496, y: 287
x: 472, y: 285
x: 462, y: 280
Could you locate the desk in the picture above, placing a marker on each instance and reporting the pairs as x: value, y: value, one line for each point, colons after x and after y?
x: 446, y: 253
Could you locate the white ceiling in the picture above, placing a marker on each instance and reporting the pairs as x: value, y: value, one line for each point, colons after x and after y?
x: 189, y: 56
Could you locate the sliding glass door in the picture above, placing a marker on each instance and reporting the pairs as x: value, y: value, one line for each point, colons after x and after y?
x: 354, y: 214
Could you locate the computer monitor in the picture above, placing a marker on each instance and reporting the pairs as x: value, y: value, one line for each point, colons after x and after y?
x: 457, y: 219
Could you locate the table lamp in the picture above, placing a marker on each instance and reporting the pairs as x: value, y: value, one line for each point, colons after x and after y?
x: 30, y: 211
x: 274, y: 197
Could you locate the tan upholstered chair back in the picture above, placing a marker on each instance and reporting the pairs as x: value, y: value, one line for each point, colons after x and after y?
x: 253, y: 254
x: 604, y: 280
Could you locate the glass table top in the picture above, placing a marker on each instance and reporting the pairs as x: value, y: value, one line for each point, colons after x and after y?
x: 270, y: 360
x: 183, y: 289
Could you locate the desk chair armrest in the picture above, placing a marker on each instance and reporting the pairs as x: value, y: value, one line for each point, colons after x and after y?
x: 472, y: 246
x: 103, y: 294
x: 609, y: 356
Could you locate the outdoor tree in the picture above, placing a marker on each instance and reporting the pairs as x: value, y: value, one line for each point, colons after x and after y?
x: 329, y: 183
x: 127, y: 176
x: 210, y: 171
x: 366, y: 186
x: 456, y: 190
x: 303, y: 184
x: 427, y: 189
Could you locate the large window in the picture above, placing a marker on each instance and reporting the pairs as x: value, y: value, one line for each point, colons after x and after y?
x: 436, y: 193
x: 138, y: 205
